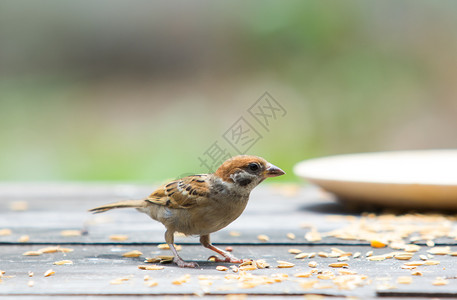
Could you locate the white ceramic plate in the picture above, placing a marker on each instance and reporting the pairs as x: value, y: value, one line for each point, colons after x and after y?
x: 408, y: 179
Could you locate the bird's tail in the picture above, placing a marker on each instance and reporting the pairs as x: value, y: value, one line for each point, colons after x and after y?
x: 120, y: 204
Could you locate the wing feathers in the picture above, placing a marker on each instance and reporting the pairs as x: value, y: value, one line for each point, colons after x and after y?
x: 182, y: 193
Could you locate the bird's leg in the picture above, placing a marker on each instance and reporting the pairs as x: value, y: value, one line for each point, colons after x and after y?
x: 169, y: 238
x: 204, y: 240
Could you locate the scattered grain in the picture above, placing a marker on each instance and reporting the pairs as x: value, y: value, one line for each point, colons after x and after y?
x: 24, y: 239
x: 71, y: 233
x: 338, y: 265
x: 118, y: 237
x: 294, y: 251
x: 403, y: 256
x: 290, y: 236
x: 32, y: 253
x: 222, y: 268
x: 167, y: 247
x: 285, y: 264
x: 440, y: 250
x: 377, y: 244
x: 49, y: 272
x: 263, y: 238
x: 404, y: 280
x: 19, y: 206
x: 440, y: 281
x: 313, y: 236
x: 5, y: 231
x: 301, y: 255
x: 133, y: 253
x: 312, y: 264
x: 63, y: 262
x: 303, y: 275
x: 150, y: 267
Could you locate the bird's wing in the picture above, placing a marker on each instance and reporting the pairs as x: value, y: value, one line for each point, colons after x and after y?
x: 182, y: 193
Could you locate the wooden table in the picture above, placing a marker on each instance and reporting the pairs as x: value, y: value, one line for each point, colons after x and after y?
x: 274, y: 211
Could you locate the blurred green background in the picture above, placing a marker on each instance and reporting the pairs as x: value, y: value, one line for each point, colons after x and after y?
x: 138, y: 90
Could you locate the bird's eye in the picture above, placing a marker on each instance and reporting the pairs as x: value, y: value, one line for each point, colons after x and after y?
x: 254, y: 166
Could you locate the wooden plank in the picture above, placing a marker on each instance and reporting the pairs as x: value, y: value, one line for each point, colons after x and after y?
x: 94, y: 266
x: 269, y: 212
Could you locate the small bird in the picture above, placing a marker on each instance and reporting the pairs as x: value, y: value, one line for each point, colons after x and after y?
x: 203, y: 204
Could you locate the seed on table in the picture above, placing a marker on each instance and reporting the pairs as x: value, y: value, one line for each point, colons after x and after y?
x: 322, y: 254
x: 285, y: 264
x: 150, y: 267
x: 152, y: 260
x: 5, y: 231
x: 118, y: 237
x: 63, y: 262
x: 290, y: 236
x: 152, y: 283
x: 440, y: 250
x: 32, y: 253
x: 167, y: 247
x: 49, y: 273
x: 133, y: 253
x: 403, y: 256
x: 119, y: 280
x: 312, y: 264
x: 414, y: 263
x: 19, y: 206
x: 423, y: 257
x: 301, y: 255
x: 221, y: 268
x: 303, y: 275
x: 263, y: 238
x: 377, y: 244
x: 440, y: 281
x: 294, y: 251
x: 71, y: 233
x: 357, y: 255
x: 31, y: 283
x: 313, y: 236
x: 430, y: 243
x: 30, y: 274
x: 404, y: 279
x: 234, y: 233
x: 24, y: 239
x: 431, y: 262
x: 377, y: 257
x: 343, y: 258
x: 369, y: 253
x: 338, y: 265
x: 416, y: 273
x: 412, y: 248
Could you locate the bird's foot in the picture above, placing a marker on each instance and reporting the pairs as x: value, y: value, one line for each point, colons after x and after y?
x: 229, y: 259
x: 185, y: 264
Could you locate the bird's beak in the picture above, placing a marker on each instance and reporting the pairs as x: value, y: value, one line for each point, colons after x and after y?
x: 273, y: 171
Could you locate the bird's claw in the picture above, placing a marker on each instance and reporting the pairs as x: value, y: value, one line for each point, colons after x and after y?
x: 185, y: 264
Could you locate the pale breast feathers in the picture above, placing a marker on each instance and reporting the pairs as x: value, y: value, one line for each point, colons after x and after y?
x: 182, y: 193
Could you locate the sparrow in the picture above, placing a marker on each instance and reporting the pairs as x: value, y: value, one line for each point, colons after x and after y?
x: 203, y: 204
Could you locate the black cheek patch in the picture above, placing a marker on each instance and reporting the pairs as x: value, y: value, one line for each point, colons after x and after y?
x: 244, y: 182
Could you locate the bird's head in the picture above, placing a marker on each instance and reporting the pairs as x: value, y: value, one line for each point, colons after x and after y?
x: 247, y: 171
